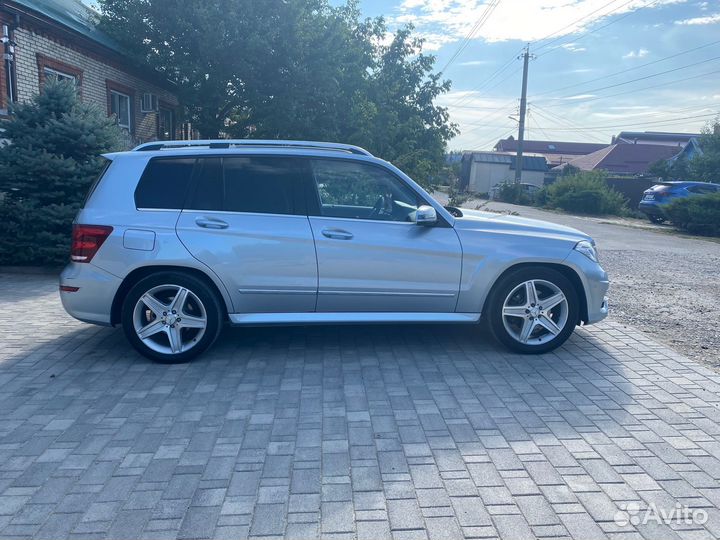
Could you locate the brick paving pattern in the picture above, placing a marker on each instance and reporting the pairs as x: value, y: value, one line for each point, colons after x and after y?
x: 363, y: 432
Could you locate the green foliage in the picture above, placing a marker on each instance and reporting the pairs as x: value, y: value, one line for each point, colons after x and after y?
x: 52, y: 156
x: 699, y: 214
x: 706, y: 167
x: 584, y: 193
x: 676, y: 170
x: 513, y: 193
x: 300, y: 69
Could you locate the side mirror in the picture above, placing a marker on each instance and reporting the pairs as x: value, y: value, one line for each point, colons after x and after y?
x: 425, y: 215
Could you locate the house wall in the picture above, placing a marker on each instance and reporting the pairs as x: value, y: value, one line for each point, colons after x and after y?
x: 484, y: 176
x: 96, y: 78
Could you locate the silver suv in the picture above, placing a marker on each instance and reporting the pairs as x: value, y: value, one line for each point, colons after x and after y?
x: 177, y: 238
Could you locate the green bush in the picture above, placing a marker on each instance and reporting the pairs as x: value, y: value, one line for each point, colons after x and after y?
x: 699, y: 214
x: 514, y: 194
x: 584, y: 193
x: 53, y: 155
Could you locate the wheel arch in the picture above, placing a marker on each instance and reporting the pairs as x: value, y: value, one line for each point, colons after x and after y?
x: 144, y: 271
x: 565, y: 270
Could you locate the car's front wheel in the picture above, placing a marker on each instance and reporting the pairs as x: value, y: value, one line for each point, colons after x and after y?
x: 655, y: 218
x: 532, y: 310
x: 171, y: 317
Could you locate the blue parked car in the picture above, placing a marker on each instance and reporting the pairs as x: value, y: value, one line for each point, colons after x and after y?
x: 660, y: 195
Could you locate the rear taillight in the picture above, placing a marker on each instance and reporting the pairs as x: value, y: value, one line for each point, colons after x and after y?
x: 86, y: 240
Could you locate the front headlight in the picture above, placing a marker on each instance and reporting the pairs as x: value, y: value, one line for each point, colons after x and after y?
x: 588, y: 249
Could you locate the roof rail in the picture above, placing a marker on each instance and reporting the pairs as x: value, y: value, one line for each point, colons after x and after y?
x: 227, y: 143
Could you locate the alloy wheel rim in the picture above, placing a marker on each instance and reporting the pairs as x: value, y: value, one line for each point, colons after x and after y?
x: 170, y: 319
x: 535, y: 312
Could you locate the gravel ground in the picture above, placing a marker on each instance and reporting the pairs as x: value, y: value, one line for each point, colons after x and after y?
x: 662, y: 283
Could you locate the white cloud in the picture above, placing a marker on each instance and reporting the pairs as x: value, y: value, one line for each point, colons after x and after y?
x: 475, y: 63
x: 573, y: 47
x: 640, y: 53
x: 710, y: 19
x: 579, y: 96
x: 512, y: 19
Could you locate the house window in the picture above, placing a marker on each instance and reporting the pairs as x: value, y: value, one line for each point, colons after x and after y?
x: 120, y: 107
x: 165, y: 124
x: 50, y: 69
x: 53, y: 74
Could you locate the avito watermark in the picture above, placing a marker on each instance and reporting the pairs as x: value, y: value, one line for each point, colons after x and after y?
x: 631, y: 514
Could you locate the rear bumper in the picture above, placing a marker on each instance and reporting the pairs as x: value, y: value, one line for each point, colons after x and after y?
x: 651, y: 208
x: 92, y: 302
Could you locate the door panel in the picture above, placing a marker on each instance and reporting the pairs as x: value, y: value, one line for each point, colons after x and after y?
x: 267, y: 262
x: 371, y: 254
x: 246, y: 220
x: 386, y: 266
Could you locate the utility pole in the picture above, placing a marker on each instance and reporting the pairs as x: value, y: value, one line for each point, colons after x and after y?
x: 523, y: 108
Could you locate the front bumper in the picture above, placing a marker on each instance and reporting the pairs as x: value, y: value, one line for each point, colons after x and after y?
x: 596, y: 284
x: 92, y: 302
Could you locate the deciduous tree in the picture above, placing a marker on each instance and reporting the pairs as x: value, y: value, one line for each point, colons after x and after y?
x: 300, y: 69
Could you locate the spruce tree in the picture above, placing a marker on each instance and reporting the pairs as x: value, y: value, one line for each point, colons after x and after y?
x: 51, y: 157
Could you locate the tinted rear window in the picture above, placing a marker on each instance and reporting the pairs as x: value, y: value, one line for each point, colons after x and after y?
x: 209, y: 188
x: 164, y: 183
x: 262, y: 185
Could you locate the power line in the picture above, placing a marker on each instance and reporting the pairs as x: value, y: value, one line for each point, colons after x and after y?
x: 652, y: 75
x: 563, y: 121
x: 492, y: 77
x: 570, y: 25
x: 496, y: 138
x: 625, y: 125
x: 590, y: 32
x: 629, y: 69
x: 674, y: 81
x: 482, y: 121
x: 489, y: 8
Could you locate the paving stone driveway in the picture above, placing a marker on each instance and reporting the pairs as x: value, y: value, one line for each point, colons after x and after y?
x: 352, y: 432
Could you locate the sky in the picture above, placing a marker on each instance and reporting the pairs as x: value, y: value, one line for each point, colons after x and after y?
x: 588, y: 56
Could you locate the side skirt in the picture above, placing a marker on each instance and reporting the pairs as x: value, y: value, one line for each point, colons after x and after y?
x: 261, y: 319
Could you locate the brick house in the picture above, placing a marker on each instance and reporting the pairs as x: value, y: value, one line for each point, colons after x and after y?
x: 58, y: 38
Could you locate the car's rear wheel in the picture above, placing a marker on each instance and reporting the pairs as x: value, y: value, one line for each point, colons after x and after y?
x: 532, y: 310
x: 171, y: 317
x: 656, y: 219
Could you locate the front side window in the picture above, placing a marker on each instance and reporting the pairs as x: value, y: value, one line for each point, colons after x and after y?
x: 350, y: 189
x: 120, y: 107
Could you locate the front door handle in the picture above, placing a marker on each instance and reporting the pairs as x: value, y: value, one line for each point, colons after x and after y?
x: 210, y: 223
x: 337, y: 234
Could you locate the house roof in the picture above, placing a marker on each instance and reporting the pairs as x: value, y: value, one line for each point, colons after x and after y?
x: 530, y: 163
x: 657, y: 136
x: 549, y: 147
x: 624, y: 158
x: 75, y: 16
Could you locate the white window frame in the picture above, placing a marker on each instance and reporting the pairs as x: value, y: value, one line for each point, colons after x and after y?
x: 60, y: 75
x: 128, y: 120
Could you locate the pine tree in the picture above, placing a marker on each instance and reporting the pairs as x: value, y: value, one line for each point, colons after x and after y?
x: 51, y: 158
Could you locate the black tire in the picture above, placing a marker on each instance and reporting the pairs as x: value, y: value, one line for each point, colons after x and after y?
x: 510, y: 282
x: 656, y: 219
x: 207, y: 296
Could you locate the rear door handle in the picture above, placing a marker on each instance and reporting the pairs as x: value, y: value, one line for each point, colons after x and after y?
x: 337, y: 234
x: 210, y: 223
